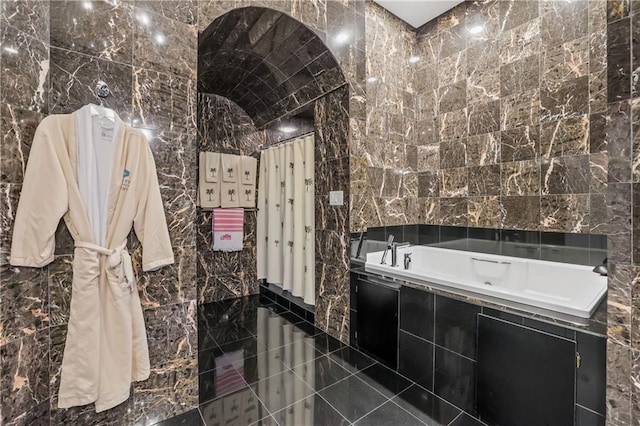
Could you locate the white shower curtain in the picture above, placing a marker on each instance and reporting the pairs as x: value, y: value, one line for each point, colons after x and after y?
x: 286, y: 217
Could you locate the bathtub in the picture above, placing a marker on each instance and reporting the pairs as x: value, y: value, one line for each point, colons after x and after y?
x: 560, y: 287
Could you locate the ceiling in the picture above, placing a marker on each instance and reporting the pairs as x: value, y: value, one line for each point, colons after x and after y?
x: 418, y: 12
x: 266, y: 62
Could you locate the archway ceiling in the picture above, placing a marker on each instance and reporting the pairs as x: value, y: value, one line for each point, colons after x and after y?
x: 265, y: 61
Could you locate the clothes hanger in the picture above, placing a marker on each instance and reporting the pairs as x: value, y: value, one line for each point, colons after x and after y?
x: 102, y: 91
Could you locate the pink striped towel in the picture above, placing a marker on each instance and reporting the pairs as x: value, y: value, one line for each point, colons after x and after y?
x: 227, y: 226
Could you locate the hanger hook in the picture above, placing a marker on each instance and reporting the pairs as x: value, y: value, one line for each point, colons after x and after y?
x: 102, y: 89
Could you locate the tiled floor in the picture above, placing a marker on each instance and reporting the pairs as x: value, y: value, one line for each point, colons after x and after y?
x: 261, y: 364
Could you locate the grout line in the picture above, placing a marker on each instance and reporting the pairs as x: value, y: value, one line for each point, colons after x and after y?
x: 456, y: 418
x: 201, y: 415
x: 589, y: 410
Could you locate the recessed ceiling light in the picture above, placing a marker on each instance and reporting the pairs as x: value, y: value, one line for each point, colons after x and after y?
x: 11, y: 50
x: 288, y: 129
x: 342, y: 37
x: 87, y: 5
x: 143, y: 18
x: 160, y: 38
x: 413, y: 59
x: 477, y: 29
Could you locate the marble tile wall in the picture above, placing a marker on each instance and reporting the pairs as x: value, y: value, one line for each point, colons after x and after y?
x: 500, y: 122
x: 225, y: 127
x: 623, y: 205
x: 52, y: 55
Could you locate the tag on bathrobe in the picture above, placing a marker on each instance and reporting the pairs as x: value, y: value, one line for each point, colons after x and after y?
x: 106, y: 133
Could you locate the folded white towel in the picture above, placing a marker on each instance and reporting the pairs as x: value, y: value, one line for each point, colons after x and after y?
x: 249, y: 165
x: 212, y: 169
x: 228, y: 227
x: 247, y: 190
x: 230, y: 164
x: 208, y: 193
x: 230, y: 194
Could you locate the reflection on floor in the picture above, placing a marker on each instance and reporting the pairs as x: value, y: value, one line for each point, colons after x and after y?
x: 261, y: 364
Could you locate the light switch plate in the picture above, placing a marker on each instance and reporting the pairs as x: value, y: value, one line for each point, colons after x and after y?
x: 336, y: 198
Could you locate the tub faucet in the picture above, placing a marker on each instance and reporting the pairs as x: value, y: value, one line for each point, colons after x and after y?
x: 389, y: 246
x: 407, y: 260
x: 602, y: 269
x: 394, y: 253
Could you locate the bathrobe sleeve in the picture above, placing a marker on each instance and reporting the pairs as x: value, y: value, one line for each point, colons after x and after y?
x: 150, y: 223
x: 43, y: 202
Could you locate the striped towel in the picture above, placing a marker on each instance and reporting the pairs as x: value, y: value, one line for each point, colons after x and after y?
x: 227, y: 226
x: 229, y: 372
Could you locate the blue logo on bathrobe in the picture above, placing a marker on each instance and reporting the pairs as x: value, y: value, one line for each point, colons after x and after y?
x: 126, y: 180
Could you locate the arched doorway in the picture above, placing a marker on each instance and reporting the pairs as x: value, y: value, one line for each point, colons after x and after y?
x: 263, y: 77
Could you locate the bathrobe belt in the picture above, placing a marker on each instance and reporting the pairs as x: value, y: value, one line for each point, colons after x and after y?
x: 119, y: 259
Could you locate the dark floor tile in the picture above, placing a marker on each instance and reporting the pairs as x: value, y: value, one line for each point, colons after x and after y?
x: 227, y: 334
x: 415, y: 360
x: 190, y: 418
x: 267, y: 421
x: 219, y: 382
x: 260, y: 367
x: 312, y: 410
x: 207, y: 359
x: 351, y: 359
x: 426, y: 406
x: 466, y: 420
x: 388, y: 414
x: 249, y: 346
x: 325, y: 344
x: 282, y: 390
x: 353, y: 398
x: 321, y: 372
x: 295, y: 353
x: 308, y: 328
x: 454, y: 379
x: 586, y: 417
x: 384, y: 380
x: 239, y: 408
x: 205, y: 339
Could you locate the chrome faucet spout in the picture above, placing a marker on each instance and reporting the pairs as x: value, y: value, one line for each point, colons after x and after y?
x: 394, y: 252
x: 602, y: 269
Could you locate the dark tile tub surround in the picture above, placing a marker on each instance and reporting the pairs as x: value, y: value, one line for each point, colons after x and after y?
x: 583, y: 249
x: 438, y: 349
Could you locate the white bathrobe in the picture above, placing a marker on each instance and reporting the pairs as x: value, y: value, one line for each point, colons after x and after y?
x: 100, y: 176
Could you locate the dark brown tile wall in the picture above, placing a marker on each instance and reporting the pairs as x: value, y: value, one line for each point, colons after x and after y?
x: 503, y: 110
x: 622, y: 202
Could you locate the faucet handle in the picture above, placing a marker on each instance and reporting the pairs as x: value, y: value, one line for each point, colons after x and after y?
x: 390, y: 240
